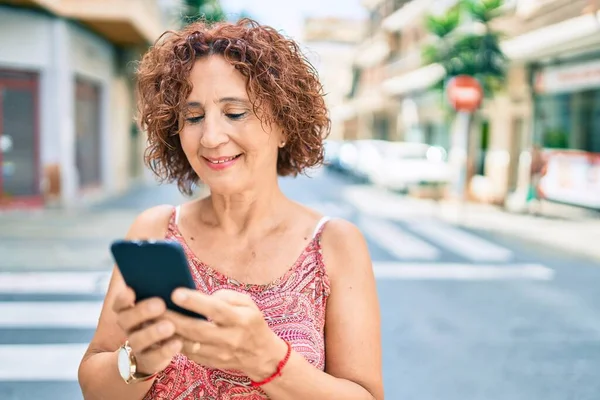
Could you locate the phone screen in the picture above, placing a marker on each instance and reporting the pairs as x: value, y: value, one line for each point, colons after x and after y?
x: 154, y: 269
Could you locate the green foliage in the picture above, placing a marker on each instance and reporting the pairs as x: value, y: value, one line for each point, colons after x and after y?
x: 208, y: 10
x: 471, y: 53
x: 443, y: 25
x: 482, y: 10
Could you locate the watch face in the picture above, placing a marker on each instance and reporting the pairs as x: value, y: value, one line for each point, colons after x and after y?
x: 123, y: 363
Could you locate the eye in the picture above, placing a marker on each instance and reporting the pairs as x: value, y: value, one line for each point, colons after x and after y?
x: 235, y: 116
x: 194, y: 120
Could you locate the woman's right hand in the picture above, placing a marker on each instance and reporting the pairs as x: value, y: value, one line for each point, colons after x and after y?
x: 151, y: 336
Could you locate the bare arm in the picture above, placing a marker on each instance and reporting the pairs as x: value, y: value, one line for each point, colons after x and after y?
x: 352, y: 328
x: 98, y: 374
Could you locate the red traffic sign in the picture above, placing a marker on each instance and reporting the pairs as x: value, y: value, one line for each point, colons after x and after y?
x: 464, y: 93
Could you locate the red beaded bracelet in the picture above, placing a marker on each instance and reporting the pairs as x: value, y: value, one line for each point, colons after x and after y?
x: 279, y: 368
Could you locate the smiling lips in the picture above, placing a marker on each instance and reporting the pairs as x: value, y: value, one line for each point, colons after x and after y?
x: 220, y: 163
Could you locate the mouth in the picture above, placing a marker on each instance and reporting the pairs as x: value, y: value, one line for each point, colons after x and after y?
x: 222, y: 160
x: 221, y: 163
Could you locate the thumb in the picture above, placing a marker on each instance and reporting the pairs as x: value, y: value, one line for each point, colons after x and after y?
x: 124, y: 299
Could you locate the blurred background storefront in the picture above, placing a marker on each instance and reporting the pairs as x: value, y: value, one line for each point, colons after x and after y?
x: 66, y: 81
x: 549, y: 96
x: 66, y: 104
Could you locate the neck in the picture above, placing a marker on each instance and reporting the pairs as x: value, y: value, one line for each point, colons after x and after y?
x: 237, y: 213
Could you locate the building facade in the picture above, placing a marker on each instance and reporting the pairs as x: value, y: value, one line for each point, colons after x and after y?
x: 550, y: 97
x: 330, y: 45
x: 67, y: 134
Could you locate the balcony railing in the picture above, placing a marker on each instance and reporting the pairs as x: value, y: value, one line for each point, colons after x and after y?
x: 404, y: 63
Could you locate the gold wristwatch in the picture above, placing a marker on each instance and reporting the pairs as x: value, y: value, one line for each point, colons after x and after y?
x: 128, y: 367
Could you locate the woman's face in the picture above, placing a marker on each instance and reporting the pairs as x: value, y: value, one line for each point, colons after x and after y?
x: 223, y: 140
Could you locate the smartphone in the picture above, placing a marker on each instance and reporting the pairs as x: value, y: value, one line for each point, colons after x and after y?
x: 154, y: 268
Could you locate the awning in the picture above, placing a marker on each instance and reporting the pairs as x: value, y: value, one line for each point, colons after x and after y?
x: 410, y: 12
x: 129, y: 22
x: 554, y: 39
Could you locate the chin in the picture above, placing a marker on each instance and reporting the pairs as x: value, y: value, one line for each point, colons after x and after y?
x: 225, y: 186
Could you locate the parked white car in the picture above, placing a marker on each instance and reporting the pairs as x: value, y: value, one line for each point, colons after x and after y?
x: 359, y: 157
x: 402, y: 165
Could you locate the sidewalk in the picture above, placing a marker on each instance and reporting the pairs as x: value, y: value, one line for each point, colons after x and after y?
x: 56, y: 239
x: 569, y: 229
x: 560, y: 227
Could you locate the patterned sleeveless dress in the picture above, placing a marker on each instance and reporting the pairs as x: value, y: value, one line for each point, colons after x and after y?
x: 293, y: 306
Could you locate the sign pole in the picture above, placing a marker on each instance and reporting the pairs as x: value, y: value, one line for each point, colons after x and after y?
x: 463, y: 162
x: 465, y: 95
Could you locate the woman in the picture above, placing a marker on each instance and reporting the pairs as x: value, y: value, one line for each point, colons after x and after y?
x: 290, y: 296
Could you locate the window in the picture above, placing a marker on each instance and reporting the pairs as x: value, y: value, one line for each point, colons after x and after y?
x: 87, y: 134
x: 569, y: 121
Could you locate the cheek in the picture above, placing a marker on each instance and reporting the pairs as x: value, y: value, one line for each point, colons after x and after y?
x: 189, y: 144
x: 189, y: 138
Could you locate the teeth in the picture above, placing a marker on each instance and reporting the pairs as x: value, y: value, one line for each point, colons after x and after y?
x: 222, y: 161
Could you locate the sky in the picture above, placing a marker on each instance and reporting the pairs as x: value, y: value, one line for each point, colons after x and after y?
x: 287, y: 15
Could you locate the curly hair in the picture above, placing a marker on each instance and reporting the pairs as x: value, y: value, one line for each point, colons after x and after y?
x: 282, y: 85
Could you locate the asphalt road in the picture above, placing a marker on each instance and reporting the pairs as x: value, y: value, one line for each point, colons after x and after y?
x: 466, y: 315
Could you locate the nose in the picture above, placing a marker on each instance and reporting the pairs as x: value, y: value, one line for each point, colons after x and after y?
x: 213, y: 133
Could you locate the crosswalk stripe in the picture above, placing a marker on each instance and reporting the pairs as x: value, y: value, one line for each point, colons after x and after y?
x: 83, y: 282
x: 47, y: 362
x: 397, y: 242
x: 462, y: 243
x: 80, y: 314
x: 461, y: 271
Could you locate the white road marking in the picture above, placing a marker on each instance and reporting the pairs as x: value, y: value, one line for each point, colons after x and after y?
x: 461, y: 271
x: 83, y: 282
x: 50, y: 314
x: 397, y: 242
x: 462, y: 243
x: 47, y: 362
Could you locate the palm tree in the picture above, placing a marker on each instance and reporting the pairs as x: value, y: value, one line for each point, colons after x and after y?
x: 475, y: 51
x: 465, y: 44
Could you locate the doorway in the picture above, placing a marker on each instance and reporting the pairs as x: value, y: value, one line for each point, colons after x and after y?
x: 19, y: 139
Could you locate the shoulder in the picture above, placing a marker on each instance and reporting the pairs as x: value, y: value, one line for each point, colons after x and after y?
x: 344, y: 247
x: 340, y: 235
x: 151, y: 223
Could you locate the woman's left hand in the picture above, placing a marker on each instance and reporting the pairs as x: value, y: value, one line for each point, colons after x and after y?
x: 236, y: 336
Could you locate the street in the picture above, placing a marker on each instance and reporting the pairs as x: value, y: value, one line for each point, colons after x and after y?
x: 466, y: 314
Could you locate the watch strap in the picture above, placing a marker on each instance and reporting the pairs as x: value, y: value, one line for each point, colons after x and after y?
x: 135, y: 376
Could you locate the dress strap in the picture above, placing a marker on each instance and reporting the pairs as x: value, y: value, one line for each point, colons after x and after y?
x: 177, y: 214
x: 320, y: 226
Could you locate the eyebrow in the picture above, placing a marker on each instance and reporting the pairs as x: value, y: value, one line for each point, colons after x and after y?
x: 239, y: 100
x: 234, y: 100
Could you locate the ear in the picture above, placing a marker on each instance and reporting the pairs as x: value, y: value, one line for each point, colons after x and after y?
x: 282, y: 139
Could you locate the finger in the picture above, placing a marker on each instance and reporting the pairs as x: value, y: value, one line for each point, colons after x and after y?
x: 192, y: 348
x: 143, y: 339
x: 206, y: 354
x: 158, y: 358
x: 194, y: 329
x: 143, y: 311
x: 125, y: 299
x: 211, y: 307
x: 234, y: 298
